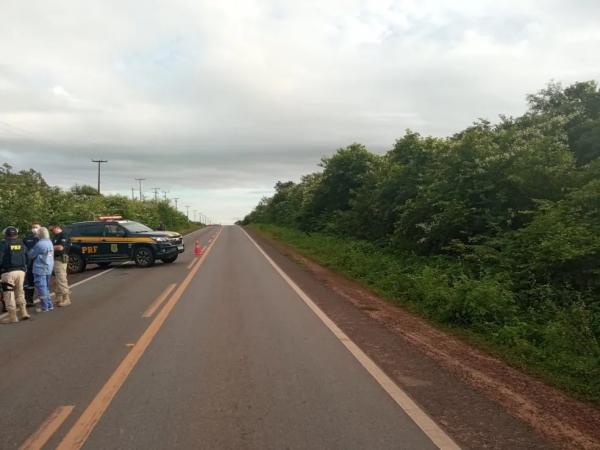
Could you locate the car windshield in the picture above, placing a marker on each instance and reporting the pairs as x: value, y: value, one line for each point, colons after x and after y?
x: 134, y: 227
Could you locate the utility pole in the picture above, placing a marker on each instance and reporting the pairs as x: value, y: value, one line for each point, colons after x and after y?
x: 187, y: 211
x: 99, y: 162
x: 155, y: 189
x: 195, y: 214
x: 165, y: 194
x: 132, y: 194
x: 175, y: 200
x: 140, y: 181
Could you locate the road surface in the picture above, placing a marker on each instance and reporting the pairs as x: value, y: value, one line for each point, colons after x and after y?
x: 220, y: 351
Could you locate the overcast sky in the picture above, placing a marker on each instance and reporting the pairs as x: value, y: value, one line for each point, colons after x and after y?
x: 214, y: 101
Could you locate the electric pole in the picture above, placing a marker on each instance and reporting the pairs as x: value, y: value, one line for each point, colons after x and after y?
x: 132, y: 194
x: 99, y: 162
x: 175, y: 200
x: 155, y: 189
x: 187, y: 211
x: 140, y: 181
x: 165, y: 194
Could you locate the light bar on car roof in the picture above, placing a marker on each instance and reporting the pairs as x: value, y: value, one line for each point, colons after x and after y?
x: 108, y: 218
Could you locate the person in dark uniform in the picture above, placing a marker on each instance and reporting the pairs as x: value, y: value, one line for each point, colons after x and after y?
x: 13, y: 264
x: 60, y: 241
x: 30, y: 240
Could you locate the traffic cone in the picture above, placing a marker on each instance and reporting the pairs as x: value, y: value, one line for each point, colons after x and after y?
x: 197, y: 249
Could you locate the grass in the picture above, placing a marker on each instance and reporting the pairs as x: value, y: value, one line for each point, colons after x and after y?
x: 193, y: 227
x: 552, y: 342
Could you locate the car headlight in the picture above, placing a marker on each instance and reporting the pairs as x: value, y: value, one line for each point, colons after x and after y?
x: 161, y: 239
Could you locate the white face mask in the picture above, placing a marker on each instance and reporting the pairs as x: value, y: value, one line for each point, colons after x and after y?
x: 35, y: 230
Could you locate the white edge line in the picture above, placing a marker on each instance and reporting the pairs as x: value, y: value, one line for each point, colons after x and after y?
x: 92, y: 277
x: 419, y: 417
x: 3, y: 315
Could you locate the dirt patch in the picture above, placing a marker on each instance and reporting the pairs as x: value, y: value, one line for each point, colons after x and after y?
x: 564, y: 421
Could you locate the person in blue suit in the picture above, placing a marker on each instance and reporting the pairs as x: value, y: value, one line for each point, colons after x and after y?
x: 42, y: 255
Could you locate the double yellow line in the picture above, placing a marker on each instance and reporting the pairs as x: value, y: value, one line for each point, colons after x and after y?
x: 83, y: 427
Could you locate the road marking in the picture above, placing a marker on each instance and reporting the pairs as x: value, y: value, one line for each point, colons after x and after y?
x: 104, y: 272
x: 419, y: 417
x: 156, y: 303
x: 38, y: 439
x: 84, y: 426
x: 194, y: 261
x: 131, y: 344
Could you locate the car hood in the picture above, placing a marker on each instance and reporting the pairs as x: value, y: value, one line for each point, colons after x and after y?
x: 168, y: 234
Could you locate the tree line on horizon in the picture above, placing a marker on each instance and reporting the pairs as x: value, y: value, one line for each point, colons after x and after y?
x: 26, y: 197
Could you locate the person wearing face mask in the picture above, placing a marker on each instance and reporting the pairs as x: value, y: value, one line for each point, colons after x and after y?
x: 30, y: 240
x: 43, y: 264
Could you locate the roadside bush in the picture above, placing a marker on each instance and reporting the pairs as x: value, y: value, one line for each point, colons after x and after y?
x: 494, y: 230
x: 555, y: 337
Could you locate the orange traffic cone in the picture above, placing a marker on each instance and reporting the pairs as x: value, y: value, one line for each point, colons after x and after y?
x: 197, y: 249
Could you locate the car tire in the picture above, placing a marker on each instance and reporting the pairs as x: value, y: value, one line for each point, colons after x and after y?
x: 76, y: 263
x: 170, y: 259
x: 143, y: 256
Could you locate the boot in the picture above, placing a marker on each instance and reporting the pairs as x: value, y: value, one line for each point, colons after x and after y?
x: 23, y: 311
x: 12, y: 317
x: 66, y: 301
x: 58, y: 300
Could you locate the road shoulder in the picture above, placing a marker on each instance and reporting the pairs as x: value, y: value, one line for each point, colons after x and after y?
x: 481, y: 401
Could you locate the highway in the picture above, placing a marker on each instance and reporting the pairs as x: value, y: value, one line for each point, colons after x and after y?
x: 222, y: 351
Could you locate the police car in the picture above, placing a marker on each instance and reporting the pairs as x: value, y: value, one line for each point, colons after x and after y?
x: 111, y: 239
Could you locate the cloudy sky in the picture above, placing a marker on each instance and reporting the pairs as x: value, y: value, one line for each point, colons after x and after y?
x: 214, y: 101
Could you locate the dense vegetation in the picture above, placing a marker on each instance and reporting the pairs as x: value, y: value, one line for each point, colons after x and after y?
x: 26, y: 197
x: 494, y: 231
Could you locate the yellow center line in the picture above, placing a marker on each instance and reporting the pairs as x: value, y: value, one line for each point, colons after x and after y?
x: 156, y: 303
x: 194, y: 261
x: 84, y: 426
x: 38, y: 439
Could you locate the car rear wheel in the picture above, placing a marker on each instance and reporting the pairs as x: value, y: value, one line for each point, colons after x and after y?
x: 76, y: 263
x: 170, y: 259
x: 143, y: 257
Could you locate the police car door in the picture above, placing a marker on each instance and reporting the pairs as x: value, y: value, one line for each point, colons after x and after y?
x: 116, y: 242
x: 90, y: 241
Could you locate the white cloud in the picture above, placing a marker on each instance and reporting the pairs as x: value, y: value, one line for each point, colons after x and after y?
x: 201, y: 93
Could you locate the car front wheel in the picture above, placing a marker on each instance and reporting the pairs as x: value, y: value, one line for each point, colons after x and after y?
x: 143, y: 257
x: 76, y: 263
x: 170, y: 259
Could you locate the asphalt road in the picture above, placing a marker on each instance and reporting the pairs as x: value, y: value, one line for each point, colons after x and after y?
x: 212, y: 352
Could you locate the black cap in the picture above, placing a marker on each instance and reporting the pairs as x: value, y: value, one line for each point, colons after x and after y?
x: 11, y: 232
